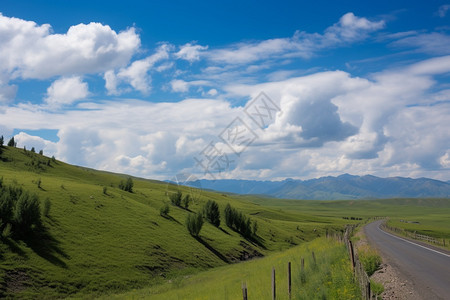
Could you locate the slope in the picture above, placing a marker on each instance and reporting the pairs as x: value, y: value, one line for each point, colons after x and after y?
x: 99, y: 239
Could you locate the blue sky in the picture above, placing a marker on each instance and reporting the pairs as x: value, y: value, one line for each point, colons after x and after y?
x: 154, y: 88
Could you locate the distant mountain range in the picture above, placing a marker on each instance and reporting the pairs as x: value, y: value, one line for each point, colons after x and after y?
x: 345, y: 187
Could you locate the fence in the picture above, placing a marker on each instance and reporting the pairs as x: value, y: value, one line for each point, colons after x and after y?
x: 358, y: 268
x: 415, y: 235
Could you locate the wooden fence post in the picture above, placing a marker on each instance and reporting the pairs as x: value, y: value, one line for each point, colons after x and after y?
x: 352, y: 254
x: 244, y: 290
x: 274, y: 292
x: 303, y: 265
x: 289, y: 280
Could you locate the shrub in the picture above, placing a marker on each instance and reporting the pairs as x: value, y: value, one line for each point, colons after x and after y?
x: 376, y: 288
x: 105, y: 190
x: 164, y: 211
x: 194, y: 223
x: 186, y: 201
x: 27, y: 212
x: 212, y: 214
x: 175, y: 198
x: 369, y: 258
x: 239, y: 222
x: 127, y: 186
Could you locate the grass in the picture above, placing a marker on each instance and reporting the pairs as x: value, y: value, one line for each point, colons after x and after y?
x: 103, y: 241
x: 369, y: 258
x: 329, y: 278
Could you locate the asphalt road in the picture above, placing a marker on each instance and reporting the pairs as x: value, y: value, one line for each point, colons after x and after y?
x: 427, y: 269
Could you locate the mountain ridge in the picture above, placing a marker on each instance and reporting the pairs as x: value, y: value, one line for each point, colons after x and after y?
x: 342, y: 187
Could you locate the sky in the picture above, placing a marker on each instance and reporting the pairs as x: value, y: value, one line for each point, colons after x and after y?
x: 262, y: 90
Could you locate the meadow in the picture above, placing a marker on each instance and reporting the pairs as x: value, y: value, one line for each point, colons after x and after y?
x: 99, y: 240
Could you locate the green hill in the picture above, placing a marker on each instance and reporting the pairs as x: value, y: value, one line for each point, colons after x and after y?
x: 99, y: 239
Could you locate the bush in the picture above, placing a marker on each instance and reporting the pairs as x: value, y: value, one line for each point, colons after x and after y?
x: 105, y: 190
x: 369, y: 258
x: 27, y: 212
x: 127, y: 186
x: 376, y: 288
x: 194, y: 223
x: 212, y: 214
x: 239, y: 222
x: 164, y: 211
x: 175, y: 198
x: 186, y: 201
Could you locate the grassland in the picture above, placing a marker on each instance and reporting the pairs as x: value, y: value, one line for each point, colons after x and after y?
x: 98, y: 243
x: 330, y: 277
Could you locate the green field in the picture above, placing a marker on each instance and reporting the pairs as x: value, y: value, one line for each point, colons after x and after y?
x: 96, y: 243
x: 330, y: 277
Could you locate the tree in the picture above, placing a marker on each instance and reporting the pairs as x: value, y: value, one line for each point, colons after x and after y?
x: 164, y: 211
x: 6, y: 206
x: 33, y: 150
x: 27, y: 212
x: 194, y: 223
x: 41, y: 152
x: 2, y: 140
x: 229, y: 215
x: 175, y: 198
x: 127, y: 186
x: 186, y: 201
x: 212, y: 214
x: 11, y: 142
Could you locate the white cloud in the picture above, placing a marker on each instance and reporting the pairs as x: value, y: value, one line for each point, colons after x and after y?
x: 350, y: 28
x: 32, y: 51
x: 29, y: 50
x: 137, y: 74
x: 29, y: 141
x: 432, y: 43
x: 190, y: 52
x: 66, y: 90
x: 443, y: 9
x: 181, y: 86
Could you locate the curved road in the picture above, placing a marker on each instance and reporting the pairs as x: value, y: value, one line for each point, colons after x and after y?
x: 427, y: 269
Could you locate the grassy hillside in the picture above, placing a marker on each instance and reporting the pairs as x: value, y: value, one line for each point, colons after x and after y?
x: 96, y: 243
x: 331, y: 277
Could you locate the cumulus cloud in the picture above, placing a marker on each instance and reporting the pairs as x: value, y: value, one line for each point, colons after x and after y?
x: 66, y: 90
x: 29, y: 50
x: 32, y: 51
x: 350, y: 28
x: 190, y: 52
x: 137, y: 74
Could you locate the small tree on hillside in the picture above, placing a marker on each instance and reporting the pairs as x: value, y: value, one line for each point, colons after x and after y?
x: 212, y: 213
x: 11, y: 142
x: 127, y: 186
x: 186, y: 201
x: 33, y: 150
x: 2, y: 140
x: 27, y: 212
x: 176, y: 198
x: 194, y: 223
